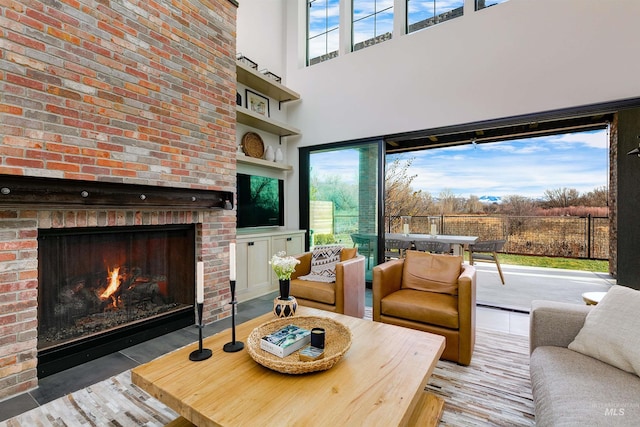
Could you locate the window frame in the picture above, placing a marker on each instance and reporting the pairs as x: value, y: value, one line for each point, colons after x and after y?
x: 435, y: 18
x: 327, y: 30
x: 377, y: 38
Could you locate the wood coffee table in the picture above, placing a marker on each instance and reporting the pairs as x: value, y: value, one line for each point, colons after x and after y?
x: 379, y: 381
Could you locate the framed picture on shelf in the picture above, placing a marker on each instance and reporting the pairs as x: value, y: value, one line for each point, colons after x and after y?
x: 257, y: 103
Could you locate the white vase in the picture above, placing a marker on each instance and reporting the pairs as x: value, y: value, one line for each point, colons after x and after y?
x: 279, y: 156
x: 268, y: 154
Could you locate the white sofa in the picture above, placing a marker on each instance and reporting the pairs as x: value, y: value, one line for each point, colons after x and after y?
x: 570, y: 388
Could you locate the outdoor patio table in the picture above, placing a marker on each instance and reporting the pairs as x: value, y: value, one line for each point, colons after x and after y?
x: 457, y: 242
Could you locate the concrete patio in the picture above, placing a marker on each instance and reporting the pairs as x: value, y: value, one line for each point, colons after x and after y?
x: 525, y: 284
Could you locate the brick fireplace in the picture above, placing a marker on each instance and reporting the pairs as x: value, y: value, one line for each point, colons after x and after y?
x: 112, y: 114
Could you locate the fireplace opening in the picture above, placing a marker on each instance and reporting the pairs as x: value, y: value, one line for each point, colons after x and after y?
x: 103, y: 289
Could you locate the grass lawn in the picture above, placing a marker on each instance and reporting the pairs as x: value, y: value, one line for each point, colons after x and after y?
x: 553, y: 262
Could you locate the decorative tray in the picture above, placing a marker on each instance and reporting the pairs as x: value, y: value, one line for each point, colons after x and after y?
x: 337, y: 342
x: 252, y: 145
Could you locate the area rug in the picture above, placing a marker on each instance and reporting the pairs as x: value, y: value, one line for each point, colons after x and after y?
x: 112, y: 402
x: 493, y: 390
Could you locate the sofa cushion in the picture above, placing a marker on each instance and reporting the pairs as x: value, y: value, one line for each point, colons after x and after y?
x: 431, y: 272
x: 323, y: 264
x: 420, y: 306
x: 611, y: 331
x: 314, y: 291
x: 571, y: 389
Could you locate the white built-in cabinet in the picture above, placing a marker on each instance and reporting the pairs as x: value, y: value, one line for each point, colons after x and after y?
x: 254, y: 276
x: 290, y: 243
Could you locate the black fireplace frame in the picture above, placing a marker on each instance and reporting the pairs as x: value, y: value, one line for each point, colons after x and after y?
x: 56, y: 359
x: 60, y: 357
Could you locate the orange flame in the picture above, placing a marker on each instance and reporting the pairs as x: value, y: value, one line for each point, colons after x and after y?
x: 114, y: 283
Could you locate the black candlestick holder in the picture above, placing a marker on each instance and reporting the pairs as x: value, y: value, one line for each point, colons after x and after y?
x: 200, y: 353
x: 233, y: 346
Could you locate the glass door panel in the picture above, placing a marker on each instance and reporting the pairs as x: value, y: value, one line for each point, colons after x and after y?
x: 344, y: 199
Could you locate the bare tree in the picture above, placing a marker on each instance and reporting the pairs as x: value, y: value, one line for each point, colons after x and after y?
x: 561, y: 197
x: 447, y: 201
x: 400, y: 199
x: 518, y: 205
x: 473, y: 205
x: 598, y: 197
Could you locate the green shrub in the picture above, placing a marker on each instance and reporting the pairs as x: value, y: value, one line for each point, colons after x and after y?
x: 323, y: 239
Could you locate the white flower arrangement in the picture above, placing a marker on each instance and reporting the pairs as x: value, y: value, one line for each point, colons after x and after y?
x: 283, y: 265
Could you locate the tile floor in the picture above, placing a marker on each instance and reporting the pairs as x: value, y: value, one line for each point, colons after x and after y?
x: 73, y: 379
x: 511, y: 322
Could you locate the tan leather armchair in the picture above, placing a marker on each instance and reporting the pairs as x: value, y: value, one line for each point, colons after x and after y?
x: 345, y: 295
x: 431, y: 292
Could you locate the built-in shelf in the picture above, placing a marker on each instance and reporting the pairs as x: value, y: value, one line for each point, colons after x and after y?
x: 261, y: 162
x: 267, y: 124
x: 263, y: 84
x: 274, y: 90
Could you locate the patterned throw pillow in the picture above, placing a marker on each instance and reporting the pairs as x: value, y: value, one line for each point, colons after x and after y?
x: 323, y: 264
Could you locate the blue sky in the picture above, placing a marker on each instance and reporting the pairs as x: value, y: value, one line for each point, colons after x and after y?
x: 525, y: 167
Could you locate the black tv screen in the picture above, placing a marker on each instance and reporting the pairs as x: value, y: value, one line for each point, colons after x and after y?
x: 260, y: 201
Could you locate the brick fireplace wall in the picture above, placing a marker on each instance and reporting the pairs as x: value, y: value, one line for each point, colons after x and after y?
x: 133, y: 92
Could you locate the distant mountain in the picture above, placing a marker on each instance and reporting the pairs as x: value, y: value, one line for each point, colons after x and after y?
x: 490, y: 199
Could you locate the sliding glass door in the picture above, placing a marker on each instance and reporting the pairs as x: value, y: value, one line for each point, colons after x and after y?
x: 343, y: 202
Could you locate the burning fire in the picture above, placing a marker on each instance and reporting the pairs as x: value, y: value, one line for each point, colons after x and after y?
x: 114, y: 284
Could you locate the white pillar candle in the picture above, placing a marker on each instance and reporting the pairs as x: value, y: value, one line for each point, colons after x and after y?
x: 200, y: 283
x: 405, y: 228
x: 232, y: 261
x: 434, y: 230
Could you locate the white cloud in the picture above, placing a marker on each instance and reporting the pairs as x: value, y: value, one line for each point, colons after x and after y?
x: 426, y: 7
x: 525, y: 167
x: 515, y: 148
x: 588, y: 139
x: 367, y: 7
x: 319, y: 13
x: 342, y: 163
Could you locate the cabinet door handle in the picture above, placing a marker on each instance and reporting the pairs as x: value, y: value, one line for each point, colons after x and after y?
x: 289, y: 239
x: 250, y: 244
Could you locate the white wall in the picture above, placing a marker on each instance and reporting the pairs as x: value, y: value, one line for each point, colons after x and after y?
x: 261, y: 33
x: 519, y: 57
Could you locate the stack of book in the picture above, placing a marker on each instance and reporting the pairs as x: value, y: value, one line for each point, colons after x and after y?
x: 285, y: 340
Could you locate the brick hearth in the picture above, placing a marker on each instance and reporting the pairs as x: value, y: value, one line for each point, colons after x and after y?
x: 111, y: 91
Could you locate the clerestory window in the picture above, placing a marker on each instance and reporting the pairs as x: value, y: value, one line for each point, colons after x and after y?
x: 323, y: 24
x: 372, y: 22
x: 481, y: 4
x: 425, y: 13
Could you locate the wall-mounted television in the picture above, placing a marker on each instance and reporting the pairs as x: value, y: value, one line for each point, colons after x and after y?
x: 260, y: 201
